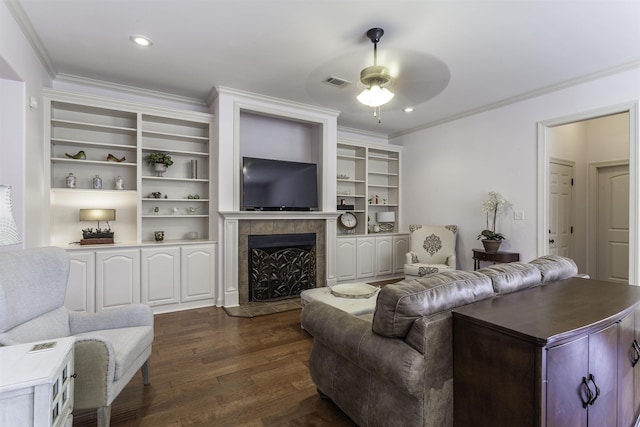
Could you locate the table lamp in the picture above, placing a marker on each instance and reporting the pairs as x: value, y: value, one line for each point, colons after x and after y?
x: 99, y: 236
x: 386, y: 220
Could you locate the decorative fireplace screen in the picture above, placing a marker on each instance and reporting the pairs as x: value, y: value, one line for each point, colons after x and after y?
x: 281, y: 265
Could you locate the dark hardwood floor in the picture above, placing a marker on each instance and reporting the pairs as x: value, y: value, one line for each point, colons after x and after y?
x: 210, y: 369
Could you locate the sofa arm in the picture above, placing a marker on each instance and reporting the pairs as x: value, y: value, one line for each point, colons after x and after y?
x: 123, y: 317
x: 94, y: 364
x: 352, y: 338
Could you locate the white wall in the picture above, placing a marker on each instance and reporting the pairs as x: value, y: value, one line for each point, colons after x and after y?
x: 449, y: 168
x: 21, y: 64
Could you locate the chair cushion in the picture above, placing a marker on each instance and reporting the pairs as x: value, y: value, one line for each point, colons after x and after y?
x: 420, y: 270
x: 400, y: 304
x: 128, y: 344
x: 38, y: 276
x: 511, y: 277
x: 555, y: 267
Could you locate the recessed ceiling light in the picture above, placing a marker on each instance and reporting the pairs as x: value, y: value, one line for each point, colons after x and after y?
x: 408, y: 109
x: 141, y: 41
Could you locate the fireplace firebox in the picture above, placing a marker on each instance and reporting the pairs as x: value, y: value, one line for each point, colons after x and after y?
x: 281, y: 265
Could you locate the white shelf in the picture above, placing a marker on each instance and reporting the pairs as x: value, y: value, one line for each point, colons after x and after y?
x: 167, y: 178
x: 90, y: 126
x: 92, y: 162
x: 168, y: 135
x: 176, y: 152
x: 175, y: 216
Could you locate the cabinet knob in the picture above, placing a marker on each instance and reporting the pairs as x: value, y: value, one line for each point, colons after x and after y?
x: 551, y: 241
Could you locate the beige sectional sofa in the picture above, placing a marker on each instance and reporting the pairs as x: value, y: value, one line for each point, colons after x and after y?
x: 395, y: 367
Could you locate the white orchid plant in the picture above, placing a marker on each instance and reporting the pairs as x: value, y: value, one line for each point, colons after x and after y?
x: 492, y: 207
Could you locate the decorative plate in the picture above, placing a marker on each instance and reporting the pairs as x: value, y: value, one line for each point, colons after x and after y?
x: 354, y: 290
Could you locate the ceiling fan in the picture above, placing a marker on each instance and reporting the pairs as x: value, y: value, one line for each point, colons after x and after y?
x: 376, y: 78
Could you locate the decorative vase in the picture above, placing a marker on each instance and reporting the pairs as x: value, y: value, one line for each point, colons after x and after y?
x: 491, y: 245
x: 160, y: 168
x: 158, y: 235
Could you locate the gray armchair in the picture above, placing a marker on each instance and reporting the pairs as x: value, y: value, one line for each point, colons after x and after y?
x: 110, y: 346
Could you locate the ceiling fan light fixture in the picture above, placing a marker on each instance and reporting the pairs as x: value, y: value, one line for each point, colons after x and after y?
x: 375, y: 96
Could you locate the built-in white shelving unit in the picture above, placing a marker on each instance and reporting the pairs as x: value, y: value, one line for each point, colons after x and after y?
x: 368, y: 178
x: 107, y: 131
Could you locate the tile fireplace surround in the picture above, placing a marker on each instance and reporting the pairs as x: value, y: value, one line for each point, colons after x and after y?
x: 239, y: 225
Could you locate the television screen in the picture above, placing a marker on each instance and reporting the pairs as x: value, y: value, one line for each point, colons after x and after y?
x: 278, y: 185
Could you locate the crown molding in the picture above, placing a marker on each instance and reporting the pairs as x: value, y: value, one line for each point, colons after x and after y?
x: 272, y: 100
x: 527, y: 95
x: 101, y: 84
x: 27, y: 29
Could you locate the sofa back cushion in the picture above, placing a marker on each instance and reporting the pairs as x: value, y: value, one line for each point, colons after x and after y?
x: 511, y: 277
x: 32, y: 282
x: 555, y: 267
x: 400, y: 304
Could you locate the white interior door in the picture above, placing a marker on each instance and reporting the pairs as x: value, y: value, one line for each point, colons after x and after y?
x: 612, y: 244
x: 560, y: 208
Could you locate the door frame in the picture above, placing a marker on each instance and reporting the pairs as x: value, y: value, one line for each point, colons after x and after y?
x: 634, y: 162
x: 592, y: 229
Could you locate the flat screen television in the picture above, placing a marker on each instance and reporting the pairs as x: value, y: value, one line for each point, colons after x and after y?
x: 278, y: 185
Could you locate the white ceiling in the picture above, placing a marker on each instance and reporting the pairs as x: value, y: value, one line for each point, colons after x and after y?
x: 452, y: 57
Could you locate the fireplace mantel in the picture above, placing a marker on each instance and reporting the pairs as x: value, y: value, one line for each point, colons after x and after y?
x: 280, y: 219
x: 284, y: 215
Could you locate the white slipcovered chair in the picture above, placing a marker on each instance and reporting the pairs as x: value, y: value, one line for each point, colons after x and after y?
x: 432, y: 249
x: 110, y: 346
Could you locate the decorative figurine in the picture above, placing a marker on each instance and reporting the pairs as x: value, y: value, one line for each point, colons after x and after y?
x: 78, y: 156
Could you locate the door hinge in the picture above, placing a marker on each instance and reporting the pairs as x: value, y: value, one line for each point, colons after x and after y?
x: 572, y: 182
x: 572, y: 229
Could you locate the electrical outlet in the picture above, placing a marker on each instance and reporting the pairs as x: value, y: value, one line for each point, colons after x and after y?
x: 518, y: 215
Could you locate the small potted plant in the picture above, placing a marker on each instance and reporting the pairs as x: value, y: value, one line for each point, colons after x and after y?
x: 493, y: 206
x: 159, y: 161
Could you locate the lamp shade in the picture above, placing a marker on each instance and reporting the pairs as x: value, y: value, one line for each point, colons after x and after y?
x: 386, y: 217
x: 97, y: 214
x: 8, y: 230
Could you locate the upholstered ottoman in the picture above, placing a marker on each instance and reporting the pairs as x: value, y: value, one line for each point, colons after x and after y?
x: 354, y: 298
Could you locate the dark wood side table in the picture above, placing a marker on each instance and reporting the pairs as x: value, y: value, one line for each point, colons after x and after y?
x: 494, y: 257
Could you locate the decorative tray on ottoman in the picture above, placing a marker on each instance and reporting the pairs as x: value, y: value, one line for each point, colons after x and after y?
x: 354, y: 290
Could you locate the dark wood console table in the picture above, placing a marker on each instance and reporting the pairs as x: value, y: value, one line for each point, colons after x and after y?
x: 482, y: 255
x: 561, y: 354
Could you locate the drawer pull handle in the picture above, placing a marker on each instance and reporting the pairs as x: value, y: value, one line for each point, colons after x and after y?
x: 593, y: 380
x: 636, y: 348
x: 585, y: 403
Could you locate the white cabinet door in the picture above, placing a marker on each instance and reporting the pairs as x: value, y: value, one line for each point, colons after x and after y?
x: 160, y: 276
x: 198, y: 272
x: 117, y: 278
x: 400, y: 249
x: 384, y: 256
x: 346, y: 259
x: 80, y: 295
x: 366, y: 252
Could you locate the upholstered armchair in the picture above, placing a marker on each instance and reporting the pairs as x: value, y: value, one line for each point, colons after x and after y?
x: 110, y: 346
x: 432, y: 249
